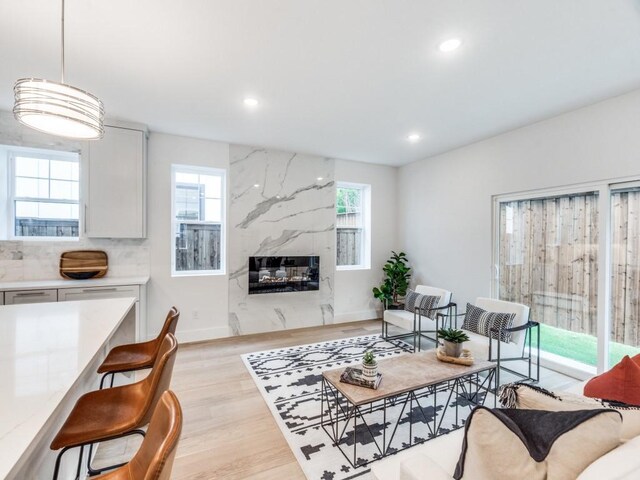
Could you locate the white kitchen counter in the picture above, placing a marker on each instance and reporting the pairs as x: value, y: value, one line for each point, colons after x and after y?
x: 48, y: 353
x: 62, y: 283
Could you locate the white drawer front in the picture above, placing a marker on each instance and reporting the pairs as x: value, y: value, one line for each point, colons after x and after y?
x: 30, y: 296
x: 92, y: 293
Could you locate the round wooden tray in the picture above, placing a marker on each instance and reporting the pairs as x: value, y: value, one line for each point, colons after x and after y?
x: 465, y: 359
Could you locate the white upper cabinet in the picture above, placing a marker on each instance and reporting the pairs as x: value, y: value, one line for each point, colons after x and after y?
x: 115, y: 195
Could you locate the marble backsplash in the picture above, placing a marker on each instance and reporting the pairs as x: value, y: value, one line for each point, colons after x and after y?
x: 280, y: 203
x: 39, y: 260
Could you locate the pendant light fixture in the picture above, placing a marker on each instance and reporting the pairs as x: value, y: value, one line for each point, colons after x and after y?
x: 58, y: 108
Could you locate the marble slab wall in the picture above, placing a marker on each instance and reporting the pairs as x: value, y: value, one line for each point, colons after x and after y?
x: 280, y: 203
x: 39, y: 260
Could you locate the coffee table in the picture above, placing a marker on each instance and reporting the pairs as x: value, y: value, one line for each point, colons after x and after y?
x: 409, y: 389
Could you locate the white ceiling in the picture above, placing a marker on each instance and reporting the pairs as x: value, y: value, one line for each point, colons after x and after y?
x: 343, y: 78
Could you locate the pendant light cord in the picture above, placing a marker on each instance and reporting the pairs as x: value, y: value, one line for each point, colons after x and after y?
x: 62, y: 34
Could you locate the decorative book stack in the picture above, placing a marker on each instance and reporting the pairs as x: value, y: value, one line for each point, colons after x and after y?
x: 354, y: 376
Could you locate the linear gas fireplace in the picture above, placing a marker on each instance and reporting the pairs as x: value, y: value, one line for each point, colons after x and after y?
x: 283, y: 274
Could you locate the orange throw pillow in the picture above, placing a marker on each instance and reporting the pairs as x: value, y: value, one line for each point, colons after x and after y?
x: 621, y: 383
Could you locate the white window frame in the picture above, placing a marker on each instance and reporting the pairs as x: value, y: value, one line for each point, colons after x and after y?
x: 603, y: 189
x: 365, y: 260
x: 223, y: 219
x: 43, y: 154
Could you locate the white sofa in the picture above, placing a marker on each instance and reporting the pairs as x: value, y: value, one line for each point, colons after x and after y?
x: 414, y: 322
x: 437, y: 459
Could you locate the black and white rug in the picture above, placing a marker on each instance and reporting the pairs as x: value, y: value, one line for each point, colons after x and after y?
x: 290, y: 382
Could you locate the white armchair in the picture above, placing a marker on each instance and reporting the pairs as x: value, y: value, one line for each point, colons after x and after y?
x: 420, y: 320
x: 519, y: 347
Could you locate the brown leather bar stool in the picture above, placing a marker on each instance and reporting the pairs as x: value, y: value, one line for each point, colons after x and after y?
x: 137, y: 356
x: 154, y: 459
x: 115, y: 412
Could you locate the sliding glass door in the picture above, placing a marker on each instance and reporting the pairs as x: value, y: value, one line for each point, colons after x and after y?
x: 548, y: 259
x: 625, y: 273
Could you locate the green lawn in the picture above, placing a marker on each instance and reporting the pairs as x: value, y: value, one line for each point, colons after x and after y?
x: 580, y: 347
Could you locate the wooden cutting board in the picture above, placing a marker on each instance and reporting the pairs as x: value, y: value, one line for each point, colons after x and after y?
x: 84, y: 264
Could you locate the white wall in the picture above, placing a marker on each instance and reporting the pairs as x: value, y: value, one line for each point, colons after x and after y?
x: 202, y: 300
x: 445, y: 203
x: 353, y: 298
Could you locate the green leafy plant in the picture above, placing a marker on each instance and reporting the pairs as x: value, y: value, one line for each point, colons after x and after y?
x: 397, y: 279
x: 369, y: 358
x: 453, y: 335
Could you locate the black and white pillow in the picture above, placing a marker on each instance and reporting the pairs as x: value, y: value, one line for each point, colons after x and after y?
x: 480, y: 321
x: 427, y: 305
x: 412, y: 300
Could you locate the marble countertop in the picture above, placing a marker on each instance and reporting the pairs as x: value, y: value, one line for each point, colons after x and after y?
x: 62, y: 283
x: 44, y: 350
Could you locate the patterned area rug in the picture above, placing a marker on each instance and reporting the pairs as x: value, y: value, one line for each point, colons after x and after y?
x: 290, y: 382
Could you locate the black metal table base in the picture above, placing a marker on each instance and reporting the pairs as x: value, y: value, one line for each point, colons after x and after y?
x: 338, y: 414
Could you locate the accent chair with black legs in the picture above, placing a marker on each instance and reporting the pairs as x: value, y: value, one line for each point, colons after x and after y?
x: 419, y: 316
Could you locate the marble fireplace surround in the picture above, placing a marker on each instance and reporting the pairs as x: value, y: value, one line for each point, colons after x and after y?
x: 280, y: 204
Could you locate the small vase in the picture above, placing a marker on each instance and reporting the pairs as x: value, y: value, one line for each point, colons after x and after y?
x: 452, y: 349
x: 370, y: 371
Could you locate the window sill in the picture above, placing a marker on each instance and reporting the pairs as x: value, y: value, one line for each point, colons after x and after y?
x: 195, y: 273
x: 351, y: 267
x: 43, y: 239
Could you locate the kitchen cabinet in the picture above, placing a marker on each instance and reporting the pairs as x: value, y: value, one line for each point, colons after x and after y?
x: 18, y: 297
x: 116, y: 179
x: 93, y: 293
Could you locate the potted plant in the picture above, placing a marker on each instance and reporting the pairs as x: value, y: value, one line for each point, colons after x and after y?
x: 452, y: 340
x: 396, y: 282
x: 369, y: 366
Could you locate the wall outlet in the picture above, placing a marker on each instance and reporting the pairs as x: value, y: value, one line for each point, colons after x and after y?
x: 195, y: 314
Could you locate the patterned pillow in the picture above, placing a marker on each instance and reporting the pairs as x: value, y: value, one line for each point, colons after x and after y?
x: 519, y: 395
x: 429, y: 302
x: 412, y: 300
x: 480, y: 321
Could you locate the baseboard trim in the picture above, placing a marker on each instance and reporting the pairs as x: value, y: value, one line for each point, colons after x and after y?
x: 356, y: 316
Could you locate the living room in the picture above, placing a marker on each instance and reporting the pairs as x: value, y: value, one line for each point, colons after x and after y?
x: 257, y: 166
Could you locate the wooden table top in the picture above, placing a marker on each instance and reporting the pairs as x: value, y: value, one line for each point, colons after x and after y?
x: 404, y: 373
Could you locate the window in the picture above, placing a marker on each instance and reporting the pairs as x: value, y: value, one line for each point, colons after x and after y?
x: 197, y: 220
x: 44, y: 189
x: 353, y: 225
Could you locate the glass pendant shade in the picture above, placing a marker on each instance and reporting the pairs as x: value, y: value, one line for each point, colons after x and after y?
x: 58, y: 109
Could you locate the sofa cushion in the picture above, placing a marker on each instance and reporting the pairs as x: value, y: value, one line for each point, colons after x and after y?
x: 443, y: 451
x: 620, y: 463
x: 518, y: 395
x: 417, y: 467
x: 482, y: 322
x: 535, y: 444
x: 621, y: 383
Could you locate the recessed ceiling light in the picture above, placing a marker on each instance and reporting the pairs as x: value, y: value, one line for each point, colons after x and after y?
x: 320, y: 179
x: 256, y: 185
x: 251, y: 102
x: 413, y: 138
x: 450, y: 45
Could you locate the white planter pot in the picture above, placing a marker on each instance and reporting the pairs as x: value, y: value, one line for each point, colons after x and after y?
x: 370, y: 371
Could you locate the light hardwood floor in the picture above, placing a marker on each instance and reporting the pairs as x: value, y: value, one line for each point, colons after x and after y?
x: 229, y: 432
